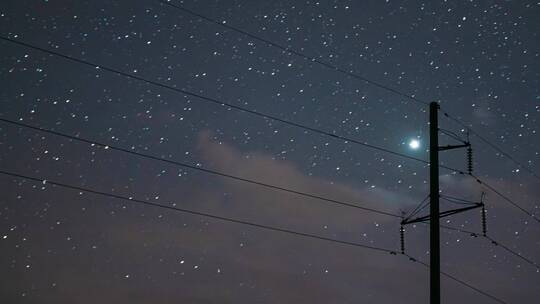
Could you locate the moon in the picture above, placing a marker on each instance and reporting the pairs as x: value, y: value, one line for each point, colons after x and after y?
x: 414, y: 144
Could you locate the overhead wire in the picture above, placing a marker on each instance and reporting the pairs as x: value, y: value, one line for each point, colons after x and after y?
x: 452, y: 135
x: 296, y: 53
x: 237, y: 221
x: 198, y: 168
x: 506, y: 198
x: 458, y: 201
x: 266, y: 185
x: 460, y: 281
x: 348, y: 73
x: 259, y: 114
x: 212, y: 100
x: 328, y: 65
x: 327, y: 133
x: 192, y: 212
x: 492, y: 145
x: 494, y: 190
x: 419, y: 208
x: 515, y: 253
x: 493, y: 242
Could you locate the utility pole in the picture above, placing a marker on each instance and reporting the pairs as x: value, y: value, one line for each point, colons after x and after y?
x: 434, y: 212
x: 434, y: 246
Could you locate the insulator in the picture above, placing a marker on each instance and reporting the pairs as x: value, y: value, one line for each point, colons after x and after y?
x: 469, y: 160
x: 402, y: 238
x: 484, y: 225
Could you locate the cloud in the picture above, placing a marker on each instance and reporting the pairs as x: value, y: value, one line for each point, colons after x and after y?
x: 173, y: 257
x: 264, y: 168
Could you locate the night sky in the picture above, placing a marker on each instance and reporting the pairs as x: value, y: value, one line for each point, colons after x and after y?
x: 479, y: 59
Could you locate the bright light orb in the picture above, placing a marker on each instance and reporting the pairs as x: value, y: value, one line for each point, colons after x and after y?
x: 414, y: 144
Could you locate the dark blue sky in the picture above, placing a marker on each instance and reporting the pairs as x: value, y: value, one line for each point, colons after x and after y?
x: 479, y: 59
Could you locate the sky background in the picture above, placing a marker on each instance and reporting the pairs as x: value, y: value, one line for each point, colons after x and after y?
x: 479, y: 59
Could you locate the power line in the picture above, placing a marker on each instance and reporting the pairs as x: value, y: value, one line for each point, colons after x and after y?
x: 215, y: 101
x: 328, y: 65
x: 494, y: 243
x: 506, y: 198
x: 348, y: 73
x: 326, y: 133
x: 208, y: 215
x: 452, y: 135
x: 515, y: 253
x: 212, y: 100
x: 237, y: 221
x: 492, y: 145
x: 309, y: 195
x: 459, y: 199
x: 371, y: 82
x: 418, y: 208
x: 297, y: 53
x: 276, y: 119
x: 460, y: 281
x: 185, y: 165
x: 469, y: 232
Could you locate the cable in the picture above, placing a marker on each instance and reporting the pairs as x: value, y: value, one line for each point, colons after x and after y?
x: 506, y: 198
x: 493, y: 242
x: 231, y: 220
x: 297, y: 53
x: 79, y: 139
x: 419, y: 208
x: 452, y: 169
x: 251, y: 112
x: 348, y: 73
x: 527, y: 260
x: 273, y: 187
x: 460, y: 281
x: 221, y: 218
x: 457, y: 201
x: 480, y: 181
x: 452, y: 135
x: 286, y: 49
x: 267, y: 116
x: 492, y: 145
x: 471, y: 233
x: 211, y: 100
x: 283, y: 121
x: 249, y: 181
x: 257, y: 183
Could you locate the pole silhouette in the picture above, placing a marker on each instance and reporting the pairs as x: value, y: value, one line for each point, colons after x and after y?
x: 434, y: 246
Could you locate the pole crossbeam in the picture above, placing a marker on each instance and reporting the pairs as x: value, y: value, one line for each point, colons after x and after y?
x: 441, y: 214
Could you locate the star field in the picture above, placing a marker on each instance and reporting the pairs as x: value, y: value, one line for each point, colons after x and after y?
x: 478, y: 59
